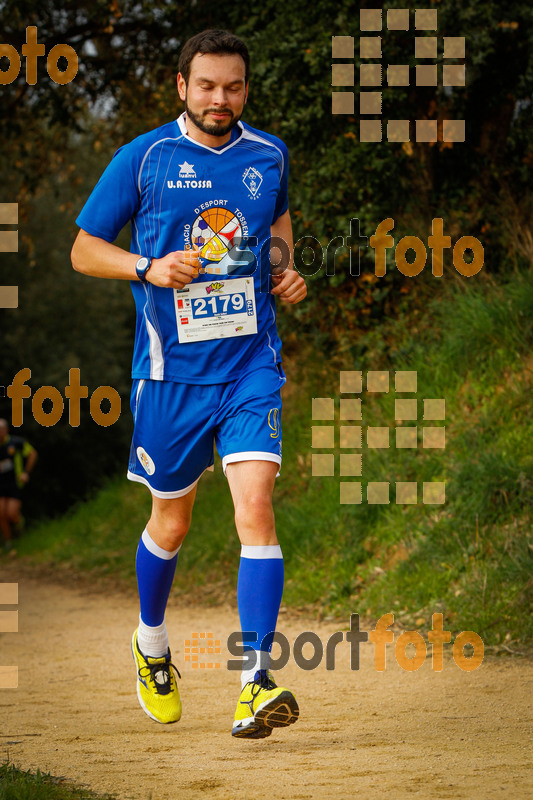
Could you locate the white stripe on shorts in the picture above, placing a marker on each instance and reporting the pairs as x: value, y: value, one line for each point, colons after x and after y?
x: 166, y: 495
x: 251, y: 455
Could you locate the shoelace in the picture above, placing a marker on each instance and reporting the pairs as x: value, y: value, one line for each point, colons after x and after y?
x: 264, y: 681
x: 161, y: 686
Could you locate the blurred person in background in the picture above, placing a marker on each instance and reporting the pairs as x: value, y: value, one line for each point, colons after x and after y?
x: 17, y: 460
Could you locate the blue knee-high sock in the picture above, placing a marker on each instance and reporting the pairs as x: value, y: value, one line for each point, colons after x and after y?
x: 259, y: 592
x: 155, y: 572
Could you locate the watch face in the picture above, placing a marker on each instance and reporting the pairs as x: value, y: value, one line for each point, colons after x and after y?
x: 141, y: 267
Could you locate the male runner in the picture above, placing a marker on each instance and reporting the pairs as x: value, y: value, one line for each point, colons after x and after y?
x: 17, y: 459
x: 204, y: 195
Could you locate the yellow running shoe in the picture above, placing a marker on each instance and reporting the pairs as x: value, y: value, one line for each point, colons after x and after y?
x: 156, y: 685
x: 263, y: 706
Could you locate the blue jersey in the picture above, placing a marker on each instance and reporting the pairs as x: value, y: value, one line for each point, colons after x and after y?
x: 179, y: 193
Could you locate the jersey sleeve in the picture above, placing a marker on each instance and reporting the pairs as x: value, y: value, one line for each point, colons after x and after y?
x: 282, y: 202
x: 115, y: 198
x: 27, y: 449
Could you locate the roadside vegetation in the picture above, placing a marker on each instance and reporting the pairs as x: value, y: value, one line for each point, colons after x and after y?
x: 16, y: 784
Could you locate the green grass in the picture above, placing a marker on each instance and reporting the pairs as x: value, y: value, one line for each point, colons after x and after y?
x: 469, y: 558
x: 18, y: 785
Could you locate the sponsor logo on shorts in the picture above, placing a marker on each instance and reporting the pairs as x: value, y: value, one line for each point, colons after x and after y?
x: 273, y: 422
x: 147, y: 463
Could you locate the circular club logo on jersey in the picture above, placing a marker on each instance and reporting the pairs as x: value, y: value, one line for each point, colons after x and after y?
x: 147, y: 463
x: 214, y: 232
x: 221, y: 235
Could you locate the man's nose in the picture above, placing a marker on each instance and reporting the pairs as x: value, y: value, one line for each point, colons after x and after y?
x: 218, y: 96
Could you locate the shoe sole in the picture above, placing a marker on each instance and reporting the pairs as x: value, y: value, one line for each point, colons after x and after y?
x: 252, y: 731
x: 139, y: 697
x: 279, y: 712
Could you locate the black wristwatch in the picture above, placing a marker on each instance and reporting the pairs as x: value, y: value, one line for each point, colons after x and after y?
x: 142, y: 266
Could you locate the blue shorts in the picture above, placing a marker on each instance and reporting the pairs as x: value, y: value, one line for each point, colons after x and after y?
x: 177, y: 423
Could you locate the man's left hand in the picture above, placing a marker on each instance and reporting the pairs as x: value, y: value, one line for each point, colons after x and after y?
x: 289, y: 286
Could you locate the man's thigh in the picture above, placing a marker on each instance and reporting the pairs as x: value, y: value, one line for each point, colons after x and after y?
x: 251, y: 484
x: 249, y: 418
x: 13, y: 507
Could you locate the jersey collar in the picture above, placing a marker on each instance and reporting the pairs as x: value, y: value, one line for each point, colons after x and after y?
x: 183, y: 128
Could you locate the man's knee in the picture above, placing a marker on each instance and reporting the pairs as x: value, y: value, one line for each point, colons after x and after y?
x: 170, y: 520
x: 13, y: 512
x: 168, y: 533
x: 254, y: 508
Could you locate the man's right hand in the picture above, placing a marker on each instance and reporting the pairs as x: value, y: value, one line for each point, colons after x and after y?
x: 175, y: 270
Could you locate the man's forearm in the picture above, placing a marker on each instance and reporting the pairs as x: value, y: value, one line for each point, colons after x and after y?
x: 96, y: 257
x: 281, y: 255
x: 30, y: 461
x: 93, y: 256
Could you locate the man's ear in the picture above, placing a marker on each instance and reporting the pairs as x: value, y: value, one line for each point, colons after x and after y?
x: 182, y: 86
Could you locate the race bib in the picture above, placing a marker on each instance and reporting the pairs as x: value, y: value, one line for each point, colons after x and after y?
x: 216, y: 310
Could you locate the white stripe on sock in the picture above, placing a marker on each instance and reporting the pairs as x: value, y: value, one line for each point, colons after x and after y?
x: 261, y: 551
x: 155, y: 550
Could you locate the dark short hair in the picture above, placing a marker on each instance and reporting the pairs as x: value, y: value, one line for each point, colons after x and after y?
x: 213, y: 41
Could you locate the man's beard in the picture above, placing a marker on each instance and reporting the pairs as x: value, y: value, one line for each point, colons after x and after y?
x: 213, y: 128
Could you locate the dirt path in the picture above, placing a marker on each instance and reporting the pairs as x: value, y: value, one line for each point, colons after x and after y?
x: 361, y: 733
